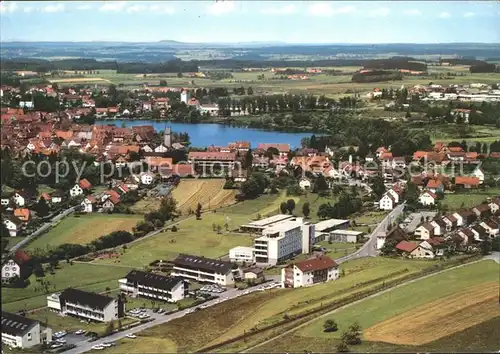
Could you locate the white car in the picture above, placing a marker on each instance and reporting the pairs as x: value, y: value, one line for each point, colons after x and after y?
x: 62, y: 341
x: 80, y: 331
x: 97, y: 347
x: 131, y: 336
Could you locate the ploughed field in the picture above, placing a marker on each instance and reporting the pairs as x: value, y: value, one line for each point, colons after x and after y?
x: 208, y: 192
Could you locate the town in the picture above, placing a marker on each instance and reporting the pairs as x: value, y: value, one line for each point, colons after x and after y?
x: 213, y: 202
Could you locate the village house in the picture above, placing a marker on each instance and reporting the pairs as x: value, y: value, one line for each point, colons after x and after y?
x: 22, y: 332
x: 305, y: 183
x: 439, y: 227
x: 147, y: 178
x: 427, y: 198
x: 13, y: 225
x: 309, y: 272
x: 491, y: 226
x: 23, y: 214
x: 387, y: 202
x: 88, y: 204
x: 435, y: 186
x: 81, y: 187
x: 17, y: 266
x: 467, y: 182
x: 424, y: 231
x: 415, y: 249
x: 482, y: 211
x: 283, y: 149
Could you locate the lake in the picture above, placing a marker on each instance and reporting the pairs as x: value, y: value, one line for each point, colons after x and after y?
x: 205, y: 134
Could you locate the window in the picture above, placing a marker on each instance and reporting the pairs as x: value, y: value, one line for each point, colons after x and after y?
x: 29, y: 336
x: 7, y: 275
x: 6, y: 268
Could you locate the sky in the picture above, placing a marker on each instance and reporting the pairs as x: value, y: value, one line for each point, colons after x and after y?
x: 226, y: 21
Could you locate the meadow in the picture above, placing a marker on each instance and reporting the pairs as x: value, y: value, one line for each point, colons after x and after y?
x: 456, y: 201
x: 84, y: 229
x: 435, y: 307
x: 89, y: 277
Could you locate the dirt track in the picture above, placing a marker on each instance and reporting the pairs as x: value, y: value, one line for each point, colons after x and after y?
x: 437, y: 319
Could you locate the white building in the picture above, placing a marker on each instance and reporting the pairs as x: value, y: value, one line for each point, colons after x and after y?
x: 147, y: 178
x: 185, y: 96
x: 19, y: 199
x: 22, y: 332
x: 259, y: 225
x: 479, y: 174
x: 305, y: 183
x: 323, y: 229
x: 153, y: 286
x: 76, y: 190
x: 15, y: 266
x: 387, y: 202
x: 13, y: 225
x: 279, y: 242
x: 309, y: 272
x: 242, y: 254
x: 346, y: 236
x: 204, y: 270
x: 427, y: 198
x: 83, y: 304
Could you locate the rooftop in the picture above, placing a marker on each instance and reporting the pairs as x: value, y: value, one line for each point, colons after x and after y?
x: 203, y: 263
x: 85, y: 298
x: 16, y: 325
x: 268, y: 221
x: 153, y: 280
x: 328, y: 224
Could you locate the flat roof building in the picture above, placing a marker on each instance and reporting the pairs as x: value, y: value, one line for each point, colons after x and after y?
x: 204, y: 269
x: 259, y: 225
x: 153, y: 286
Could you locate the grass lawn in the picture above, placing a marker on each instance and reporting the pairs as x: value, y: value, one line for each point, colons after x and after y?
x: 82, y: 276
x: 369, y: 218
x: 195, y: 237
x: 84, y: 229
x: 265, y: 203
x: 71, y: 324
x: 339, y: 249
x: 14, y: 241
x: 377, y: 309
x: 146, y: 205
x: 455, y: 201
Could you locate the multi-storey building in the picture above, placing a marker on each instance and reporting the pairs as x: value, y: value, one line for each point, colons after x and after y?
x: 204, y: 270
x: 22, y: 332
x: 153, y: 286
x: 309, y: 272
x: 91, y: 306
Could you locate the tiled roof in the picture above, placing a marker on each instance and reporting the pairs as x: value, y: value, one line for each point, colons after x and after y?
x: 314, y: 264
x: 407, y: 246
x: 467, y: 180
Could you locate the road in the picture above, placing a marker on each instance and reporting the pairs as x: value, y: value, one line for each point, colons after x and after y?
x: 43, y: 228
x: 84, y: 345
x: 354, y: 303
x: 369, y: 248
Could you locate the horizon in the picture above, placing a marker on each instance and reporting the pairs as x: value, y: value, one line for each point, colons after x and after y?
x: 231, y: 21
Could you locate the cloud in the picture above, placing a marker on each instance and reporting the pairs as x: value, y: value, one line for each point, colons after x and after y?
x: 162, y: 8
x: 28, y: 9
x: 53, y: 8
x: 382, y: 12
x: 221, y: 8
x: 136, y: 8
x: 114, y: 6
x: 444, y: 15
x: 283, y: 10
x: 84, y: 7
x: 326, y: 10
x: 412, y: 12
x: 8, y: 7
x: 469, y: 14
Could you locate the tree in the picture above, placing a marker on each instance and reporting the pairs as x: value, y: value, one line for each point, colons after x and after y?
x: 378, y: 187
x: 42, y: 208
x: 495, y: 245
x: 320, y: 184
x: 250, y: 91
x: 163, y: 83
x: 290, y: 205
x: 341, y: 347
x: 306, y: 210
x: 283, y: 207
x: 198, y: 212
x: 388, y: 247
x: 486, y: 247
x: 330, y: 326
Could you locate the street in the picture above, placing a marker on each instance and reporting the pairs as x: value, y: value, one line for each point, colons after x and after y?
x: 369, y: 248
x: 84, y: 345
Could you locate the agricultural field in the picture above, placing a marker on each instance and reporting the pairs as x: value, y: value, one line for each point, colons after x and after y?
x: 208, y: 192
x: 435, y: 307
x: 146, y: 205
x: 232, y: 318
x: 467, y: 200
x: 84, y: 229
x: 196, y: 237
x: 83, y: 276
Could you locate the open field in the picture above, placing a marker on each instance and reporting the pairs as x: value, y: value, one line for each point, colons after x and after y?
x: 82, y: 276
x: 70, y: 324
x: 84, y: 229
x: 439, y: 318
x: 480, y: 338
x: 195, y: 237
x: 208, y: 192
x: 467, y: 200
x: 146, y: 205
x: 398, y: 302
x: 450, y: 132
x: 375, y: 310
x: 232, y: 318
x: 316, y: 84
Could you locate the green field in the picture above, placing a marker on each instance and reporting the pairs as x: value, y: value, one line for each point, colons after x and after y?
x: 468, y: 200
x: 234, y: 317
x: 83, y: 276
x: 317, y: 84
x: 57, y: 322
x: 398, y: 301
x: 195, y: 237
x: 84, y: 229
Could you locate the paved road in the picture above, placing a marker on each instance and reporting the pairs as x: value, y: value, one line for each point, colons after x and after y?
x: 43, y: 228
x: 369, y: 248
x: 84, y: 346
x: 494, y: 256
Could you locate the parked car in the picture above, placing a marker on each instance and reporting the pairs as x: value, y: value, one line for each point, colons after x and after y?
x: 131, y: 336
x: 80, y: 331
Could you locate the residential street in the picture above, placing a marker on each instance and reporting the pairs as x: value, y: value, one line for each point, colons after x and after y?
x: 369, y: 249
